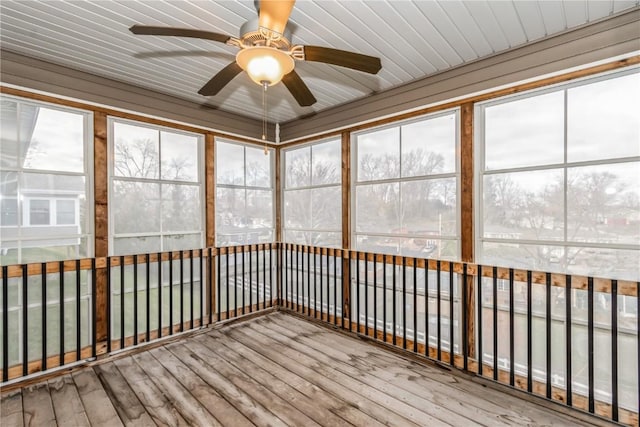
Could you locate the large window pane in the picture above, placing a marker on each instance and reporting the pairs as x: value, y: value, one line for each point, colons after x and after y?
x: 244, y: 214
x: 51, y: 139
x: 135, y: 207
x: 312, y: 216
x: 379, y: 155
x: 297, y: 209
x: 230, y: 209
x: 408, y: 209
x: 378, y: 208
x: 258, y: 167
x: 429, y: 146
x: 326, y: 164
x: 298, y: 167
x: 229, y: 163
x: 326, y: 208
x: 524, y: 205
x: 181, y: 209
x: 603, y: 119
x: 179, y: 156
x: 604, y: 203
x: 149, y: 205
x: 136, y: 151
x: 44, y: 197
x: 428, y: 207
x: 526, y: 132
x: 259, y: 209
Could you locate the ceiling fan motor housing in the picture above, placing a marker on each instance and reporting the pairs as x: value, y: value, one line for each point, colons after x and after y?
x: 250, y: 35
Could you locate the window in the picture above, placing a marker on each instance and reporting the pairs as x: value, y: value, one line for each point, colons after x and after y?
x: 244, y: 194
x: 65, y: 212
x: 39, y: 212
x: 46, y: 207
x: 559, y: 178
x: 156, y: 189
x: 406, y: 181
x: 313, y: 194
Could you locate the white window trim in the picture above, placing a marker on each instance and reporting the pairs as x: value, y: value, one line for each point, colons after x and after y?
x: 480, y: 168
x: 88, y: 173
x: 271, y: 188
x: 111, y: 176
x: 400, y: 179
x: 283, y: 173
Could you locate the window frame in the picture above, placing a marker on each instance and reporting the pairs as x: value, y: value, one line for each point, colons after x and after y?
x: 480, y: 170
x: 283, y: 173
x: 456, y: 111
x: 112, y: 177
x: 245, y: 187
x: 87, y: 174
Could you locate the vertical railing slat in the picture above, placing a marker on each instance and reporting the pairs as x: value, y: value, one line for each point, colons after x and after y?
x: 25, y: 320
x: 568, y: 344
x: 61, y: 301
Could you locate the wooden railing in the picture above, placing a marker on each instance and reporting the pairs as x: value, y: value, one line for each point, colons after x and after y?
x: 501, y: 319
x: 566, y: 338
x: 111, y: 303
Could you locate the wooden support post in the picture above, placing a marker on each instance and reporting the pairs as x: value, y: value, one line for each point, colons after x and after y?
x: 210, y: 214
x: 346, y: 223
x: 278, y: 195
x: 467, y: 217
x: 101, y: 209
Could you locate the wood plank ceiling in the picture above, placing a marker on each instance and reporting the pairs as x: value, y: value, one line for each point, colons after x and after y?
x: 413, y: 38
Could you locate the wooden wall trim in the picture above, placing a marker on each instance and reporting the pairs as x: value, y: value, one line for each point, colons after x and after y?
x: 346, y: 190
x: 278, y: 194
x: 101, y: 217
x: 467, y: 236
x: 210, y: 189
x: 588, y: 44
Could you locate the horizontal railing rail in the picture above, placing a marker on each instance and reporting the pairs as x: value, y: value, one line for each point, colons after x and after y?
x: 567, y: 338
x: 558, y: 336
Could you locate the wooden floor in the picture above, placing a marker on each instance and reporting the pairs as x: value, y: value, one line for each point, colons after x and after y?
x: 273, y: 370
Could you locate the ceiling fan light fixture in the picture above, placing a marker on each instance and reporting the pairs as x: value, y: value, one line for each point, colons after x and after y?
x: 265, y: 64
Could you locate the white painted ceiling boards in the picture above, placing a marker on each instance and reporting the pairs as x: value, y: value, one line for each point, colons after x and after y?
x: 413, y: 38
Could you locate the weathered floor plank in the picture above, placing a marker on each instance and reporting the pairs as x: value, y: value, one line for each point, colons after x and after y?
x: 130, y: 410
x: 441, y: 387
x: 97, y: 405
x: 224, y: 412
x: 504, y: 408
x: 177, y: 395
x: 67, y: 404
x: 11, y: 409
x: 249, y: 360
x: 156, y: 404
x: 37, y: 406
x: 203, y: 364
x: 275, y: 370
x: 367, y: 399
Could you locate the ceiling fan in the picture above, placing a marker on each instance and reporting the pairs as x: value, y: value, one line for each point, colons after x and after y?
x: 266, y: 52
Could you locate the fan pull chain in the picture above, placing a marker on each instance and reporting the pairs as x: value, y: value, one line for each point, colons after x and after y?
x: 265, y: 85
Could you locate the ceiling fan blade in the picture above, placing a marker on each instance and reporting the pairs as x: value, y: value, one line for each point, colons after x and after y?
x: 220, y: 80
x: 298, y: 89
x: 274, y: 14
x: 178, y: 32
x: 355, y: 61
